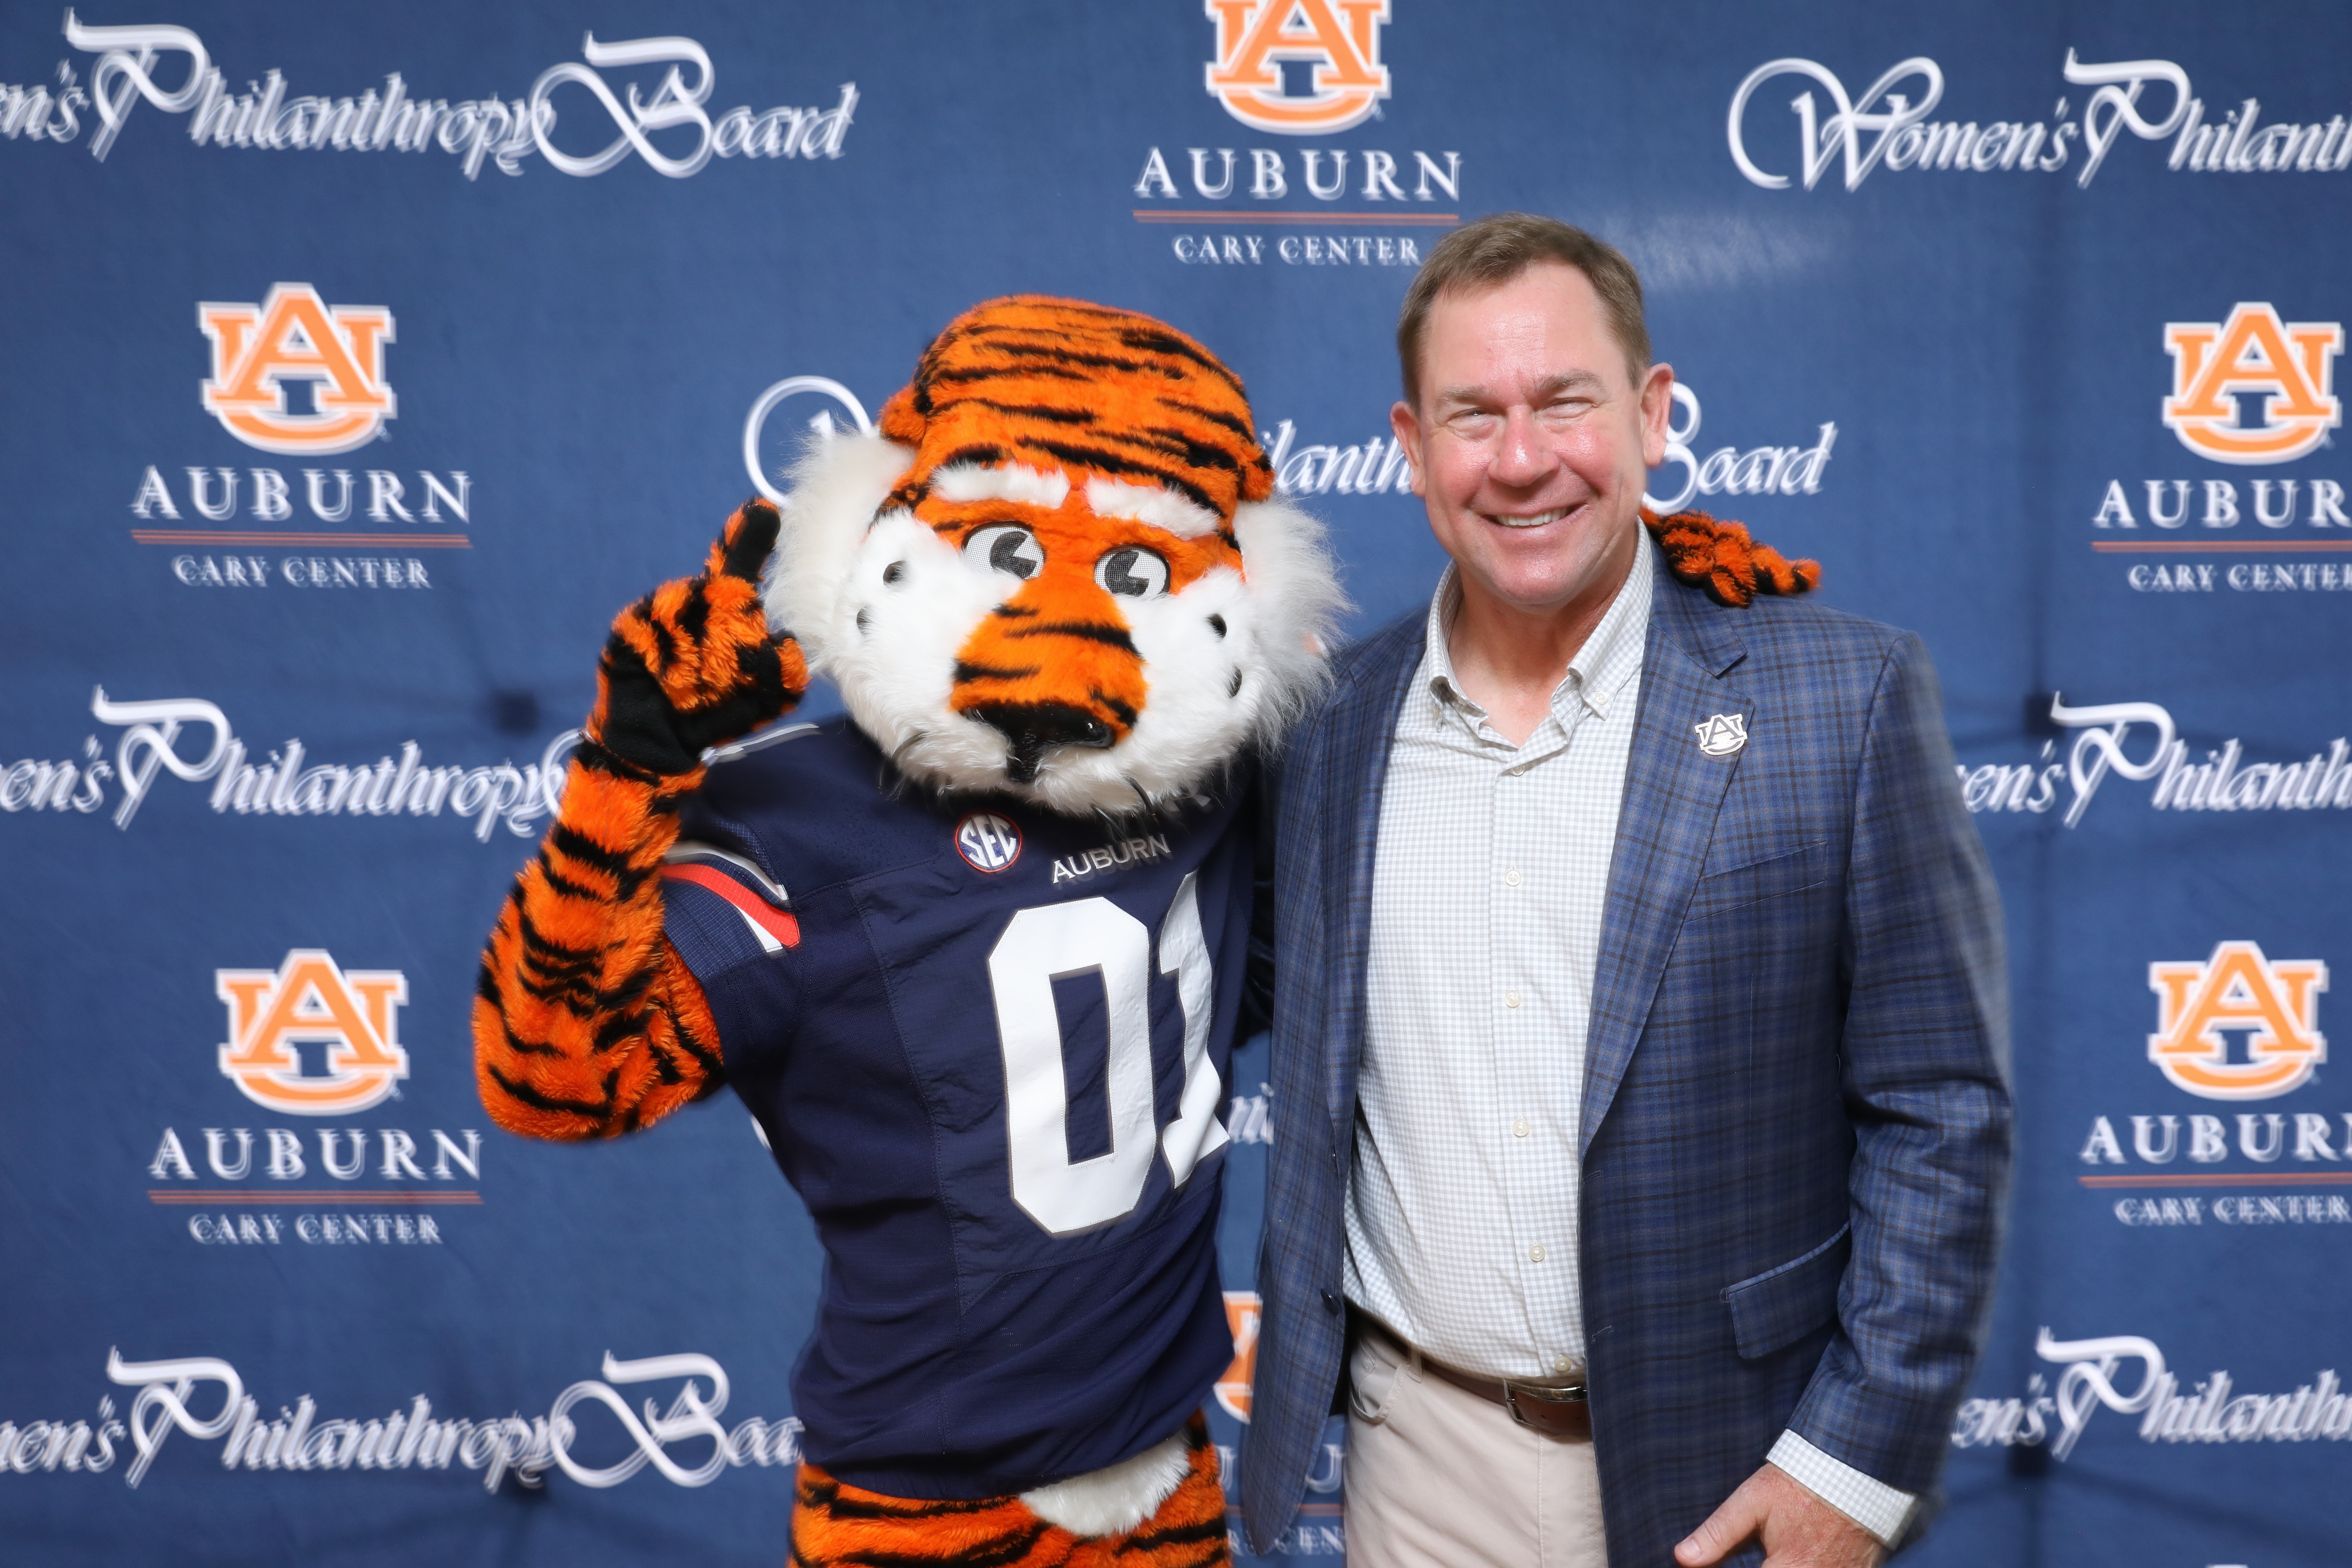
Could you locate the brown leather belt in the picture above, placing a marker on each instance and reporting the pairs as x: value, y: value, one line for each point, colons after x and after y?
x: 1556, y: 1409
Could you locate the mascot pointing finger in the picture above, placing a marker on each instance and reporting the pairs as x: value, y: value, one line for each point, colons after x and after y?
x: 975, y: 955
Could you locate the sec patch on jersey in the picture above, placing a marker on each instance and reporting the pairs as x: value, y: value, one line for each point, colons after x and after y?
x: 988, y: 842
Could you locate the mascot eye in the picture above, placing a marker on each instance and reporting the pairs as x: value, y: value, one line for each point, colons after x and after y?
x: 1134, y: 573
x: 1003, y: 548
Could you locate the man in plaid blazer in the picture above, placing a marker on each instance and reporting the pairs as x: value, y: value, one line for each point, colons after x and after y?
x: 1791, y: 1138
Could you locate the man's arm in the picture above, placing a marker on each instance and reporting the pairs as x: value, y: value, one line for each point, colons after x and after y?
x: 1925, y: 1056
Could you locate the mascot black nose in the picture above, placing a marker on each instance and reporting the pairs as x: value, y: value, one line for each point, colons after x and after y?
x: 1031, y: 727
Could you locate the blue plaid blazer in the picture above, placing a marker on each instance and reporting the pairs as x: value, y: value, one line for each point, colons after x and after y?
x: 1796, y: 1114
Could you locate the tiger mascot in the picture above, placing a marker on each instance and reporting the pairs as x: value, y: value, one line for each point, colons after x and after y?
x: 1065, y: 615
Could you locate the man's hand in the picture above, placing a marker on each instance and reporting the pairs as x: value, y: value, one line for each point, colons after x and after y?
x: 1798, y: 1528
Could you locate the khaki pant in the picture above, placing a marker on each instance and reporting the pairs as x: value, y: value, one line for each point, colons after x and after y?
x: 1438, y: 1477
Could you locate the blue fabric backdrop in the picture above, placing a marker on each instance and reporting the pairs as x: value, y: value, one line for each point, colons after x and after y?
x: 360, y: 365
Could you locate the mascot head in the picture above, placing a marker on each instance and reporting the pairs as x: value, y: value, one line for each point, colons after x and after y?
x: 1058, y: 570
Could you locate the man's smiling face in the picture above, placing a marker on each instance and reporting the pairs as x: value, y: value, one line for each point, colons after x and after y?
x: 1533, y: 440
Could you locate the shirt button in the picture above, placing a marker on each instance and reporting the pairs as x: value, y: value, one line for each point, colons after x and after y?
x: 1516, y: 772
x: 1562, y: 1365
x: 1510, y: 998
x: 1535, y: 1254
x: 1511, y: 878
x: 1519, y: 1127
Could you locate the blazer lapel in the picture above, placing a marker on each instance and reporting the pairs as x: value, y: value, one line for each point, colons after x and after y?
x: 1355, y: 765
x: 1673, y: 789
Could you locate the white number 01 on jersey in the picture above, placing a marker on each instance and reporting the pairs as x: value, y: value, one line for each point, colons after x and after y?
x: 1095, y: 936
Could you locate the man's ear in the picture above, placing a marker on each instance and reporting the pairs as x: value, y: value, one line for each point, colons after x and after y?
x: 1408, y: 435
x: 1657, y: 413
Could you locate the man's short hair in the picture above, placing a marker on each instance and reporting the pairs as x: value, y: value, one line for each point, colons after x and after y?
x: 1496, y: 249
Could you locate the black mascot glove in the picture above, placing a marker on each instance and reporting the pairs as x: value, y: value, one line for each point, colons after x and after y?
x: 692, y: 664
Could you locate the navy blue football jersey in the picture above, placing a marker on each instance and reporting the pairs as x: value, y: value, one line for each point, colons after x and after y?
x: 988, y: 1046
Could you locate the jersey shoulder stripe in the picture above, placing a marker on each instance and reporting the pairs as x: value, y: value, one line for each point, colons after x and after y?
x: 742, y: 869
x: 774, y: 928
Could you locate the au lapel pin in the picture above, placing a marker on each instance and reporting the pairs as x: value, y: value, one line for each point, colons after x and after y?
x: 1722, y: 734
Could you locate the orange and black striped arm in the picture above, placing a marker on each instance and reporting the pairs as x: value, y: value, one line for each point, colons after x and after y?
x: 587, y: 1024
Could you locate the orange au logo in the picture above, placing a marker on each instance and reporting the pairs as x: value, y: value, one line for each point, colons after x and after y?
x: 1341, y: 39
x: 1233, y: 1388
x: 258, y: 351
x: 2274, y: 1004
x: 308, y: 1000
x: 2290, y: 364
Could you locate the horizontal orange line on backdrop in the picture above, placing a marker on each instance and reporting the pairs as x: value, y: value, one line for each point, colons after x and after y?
x: 407, y: 540
x: 2223, y: 1179
x: 2217, y: 546
x: 172, y: 1196
x: 1435, y: 220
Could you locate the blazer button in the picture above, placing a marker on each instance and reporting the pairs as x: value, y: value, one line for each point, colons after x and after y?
x: 1331, y: 1302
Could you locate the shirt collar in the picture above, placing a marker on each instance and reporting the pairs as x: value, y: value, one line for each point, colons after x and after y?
x: 1609, y: 658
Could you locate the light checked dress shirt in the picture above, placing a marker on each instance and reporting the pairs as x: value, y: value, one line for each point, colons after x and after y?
x: 1488, y: 885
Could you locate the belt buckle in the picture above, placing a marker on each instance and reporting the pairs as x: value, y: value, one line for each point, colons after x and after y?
x: 1569, y: 1394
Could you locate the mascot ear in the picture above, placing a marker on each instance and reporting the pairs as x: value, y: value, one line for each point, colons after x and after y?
x: 900, y: 422
x: 1257, y: 475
